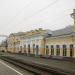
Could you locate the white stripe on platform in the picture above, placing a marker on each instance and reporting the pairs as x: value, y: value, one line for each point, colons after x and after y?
x: 11, y: 68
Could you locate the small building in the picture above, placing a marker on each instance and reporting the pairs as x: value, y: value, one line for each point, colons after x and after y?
x: 14, y: 42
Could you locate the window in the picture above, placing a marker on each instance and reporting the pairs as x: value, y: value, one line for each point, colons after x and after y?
x: 71, y: 50
x: 24, y: 48
x: 52, y: 50
x: 17, y: 48
x: 33, y: 48
x: 28, y: 48
x: 57, y: 50
x: 20, y: 49
x: 64, y: 50
x: 37, y: 49
x: 47, y: 50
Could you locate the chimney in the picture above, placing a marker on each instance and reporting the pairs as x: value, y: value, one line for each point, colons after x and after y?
x: 73, y: 16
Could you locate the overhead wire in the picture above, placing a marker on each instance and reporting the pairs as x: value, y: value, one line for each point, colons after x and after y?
x: 37, y: 12
x: 42, y: 9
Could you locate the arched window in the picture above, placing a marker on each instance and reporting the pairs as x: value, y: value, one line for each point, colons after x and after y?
x: 24, y: 48
x: 28, y: 48
x: 52, y: 50
x: 47, y: 50
x: 71, y: 50
x: 58, y: 50
x: 20, y: 51
x: 33, y: 48
x: 64, y: 50
x: 37, y: 49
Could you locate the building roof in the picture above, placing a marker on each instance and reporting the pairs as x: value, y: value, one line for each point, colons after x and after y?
x: 32, y: 33
x: 64, y: 31
x: 47, y: 33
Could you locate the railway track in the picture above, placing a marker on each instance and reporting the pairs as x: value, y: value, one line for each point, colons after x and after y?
x: 34, y: 68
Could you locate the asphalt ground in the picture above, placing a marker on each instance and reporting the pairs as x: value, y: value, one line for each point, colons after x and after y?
x: 9, y: 69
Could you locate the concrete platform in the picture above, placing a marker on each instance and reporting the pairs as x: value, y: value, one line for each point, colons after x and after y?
x: 63, y: 65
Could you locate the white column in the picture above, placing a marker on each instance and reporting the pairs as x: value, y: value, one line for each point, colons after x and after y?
x: 61, y: 50
x: 68, y: 50
x: 74, y: 50
x: 54, y: 50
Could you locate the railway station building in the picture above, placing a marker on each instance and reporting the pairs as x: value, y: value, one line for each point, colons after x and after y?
x: 58, y: 43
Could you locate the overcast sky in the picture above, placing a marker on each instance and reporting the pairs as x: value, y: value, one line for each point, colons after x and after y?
x: 25, y: 15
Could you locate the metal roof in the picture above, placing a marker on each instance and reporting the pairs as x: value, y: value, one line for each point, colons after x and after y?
x: 64, y: 31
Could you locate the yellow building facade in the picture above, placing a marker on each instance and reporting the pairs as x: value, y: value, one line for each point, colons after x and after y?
x: 60, y: 46
x: 14, y: 42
